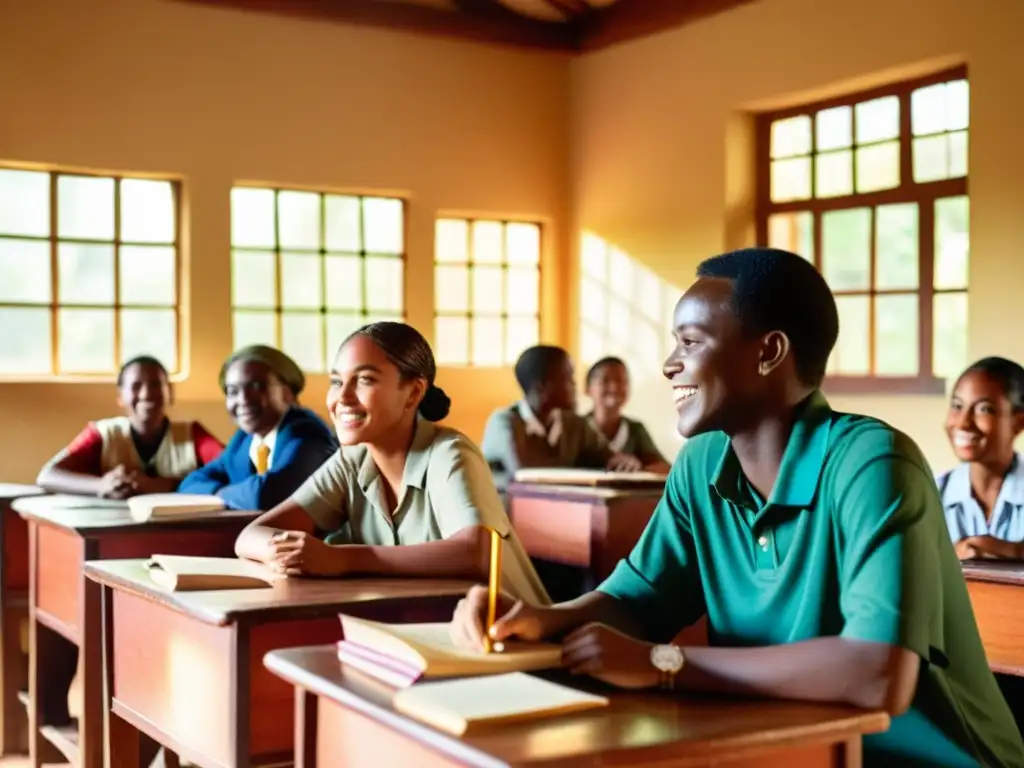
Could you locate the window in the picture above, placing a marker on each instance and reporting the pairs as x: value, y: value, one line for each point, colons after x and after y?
x: 872, y: 188
x: 486, y: 291
x: 88, y: 272
x: 308, y: 268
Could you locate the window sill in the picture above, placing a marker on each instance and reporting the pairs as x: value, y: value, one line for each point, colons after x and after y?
x: 884, y: 385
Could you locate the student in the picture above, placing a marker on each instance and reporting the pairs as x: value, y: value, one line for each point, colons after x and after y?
x: 402, y: 497
x: 278, y: 443
x: 543, y: 429
x: 813, y: 540
x: 983, y: 496
x: 608, y: 388
x: 140, y: 452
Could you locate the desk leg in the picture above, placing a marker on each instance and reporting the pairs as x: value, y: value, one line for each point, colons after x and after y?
x: 13, y: 678
x: 305, y: 728
x: 90, y: 725
x: 129, y: 747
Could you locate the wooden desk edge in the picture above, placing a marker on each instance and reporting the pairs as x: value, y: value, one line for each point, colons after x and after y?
x: 581, y: 492
x: 204, y: 520
x: 993, y: 575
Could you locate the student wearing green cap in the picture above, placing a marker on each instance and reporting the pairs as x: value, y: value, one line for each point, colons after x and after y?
x: 278, y: 443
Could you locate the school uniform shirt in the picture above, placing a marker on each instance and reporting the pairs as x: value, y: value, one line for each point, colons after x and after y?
x: 570, y: 441
x: 446, y: 487
x: 269, y: 441
x: 301, y: 444
x: 965, y: 517
x: 107, y: 443
x: 851, y: 543
x: 632, y: 438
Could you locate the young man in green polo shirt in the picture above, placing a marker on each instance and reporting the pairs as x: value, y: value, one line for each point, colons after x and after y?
x: 813, y: 540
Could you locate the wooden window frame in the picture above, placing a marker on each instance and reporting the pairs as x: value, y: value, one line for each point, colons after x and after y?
x: 322, y: 253
x: 924, y: 194
x: 55, y: 305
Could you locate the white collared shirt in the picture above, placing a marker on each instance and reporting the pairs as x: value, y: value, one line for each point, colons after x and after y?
x: 535, y: 427
x: 269, y: 440
x: 617, y: 443
x: 965, y: 517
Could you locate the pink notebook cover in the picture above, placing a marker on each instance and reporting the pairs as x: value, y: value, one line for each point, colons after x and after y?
x: 378, y: 665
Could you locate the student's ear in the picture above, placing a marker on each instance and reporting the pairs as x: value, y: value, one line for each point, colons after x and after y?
x: 1018, y: 423
x: 416, y: 393
x: 170, y: 394
x: 775, y: 347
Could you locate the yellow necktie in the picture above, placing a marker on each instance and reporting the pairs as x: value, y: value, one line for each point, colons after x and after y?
x: 262, y: 458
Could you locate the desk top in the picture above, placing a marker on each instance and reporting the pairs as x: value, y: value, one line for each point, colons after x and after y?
x: 648, y: 725
x: 998, y: 572
x: 583, y: 492
x: 292, y: 598
x: 16, y: 490
x: 85, y: 513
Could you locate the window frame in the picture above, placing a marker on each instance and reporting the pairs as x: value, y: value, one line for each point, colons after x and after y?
x: 55, y: 305
x: 923, y: 194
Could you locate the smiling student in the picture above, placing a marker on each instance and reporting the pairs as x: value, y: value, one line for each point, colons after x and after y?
x: 278, y: 443
x: 402, y: 497
x: 984, y: 495
x: 142, y: 451
x: 814, y: 541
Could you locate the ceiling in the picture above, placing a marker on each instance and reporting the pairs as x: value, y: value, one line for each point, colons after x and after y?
x: 569, y: 25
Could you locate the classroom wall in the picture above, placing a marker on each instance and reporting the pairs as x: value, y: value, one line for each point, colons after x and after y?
x: 662, y: 161
x: 217, y: 96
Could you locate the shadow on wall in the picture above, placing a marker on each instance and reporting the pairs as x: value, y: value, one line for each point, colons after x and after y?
x: 626, y: 311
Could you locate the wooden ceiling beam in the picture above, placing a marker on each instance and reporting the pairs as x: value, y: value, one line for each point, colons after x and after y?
x: 629, y: 19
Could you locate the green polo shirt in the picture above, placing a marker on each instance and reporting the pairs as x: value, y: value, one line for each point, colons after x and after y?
x: 851, y: 543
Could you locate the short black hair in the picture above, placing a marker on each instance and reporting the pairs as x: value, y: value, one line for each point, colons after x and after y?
x: 1008, y: 374
x: 603, y: 362
x: 140, y: 360
x: 775, y: 290
x: 536, y: 365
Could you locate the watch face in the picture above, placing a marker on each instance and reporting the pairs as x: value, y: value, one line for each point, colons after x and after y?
x: 667, y: 658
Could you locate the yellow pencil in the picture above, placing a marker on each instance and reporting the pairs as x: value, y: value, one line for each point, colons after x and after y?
x: 493, y: 585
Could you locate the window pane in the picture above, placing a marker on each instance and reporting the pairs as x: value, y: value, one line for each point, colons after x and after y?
x: 792, y: 232
x: 28, y: 350
x: 896, y: 244
x: 833, y: 174
x: 834, y: 128
x: 86, y: 274
x: 791, y: 136
x: 451, y: 241
x: 522, y: 243
x: 846, y: 249
x: 344, y: 282
x: 520, y: 333
x: 253, y: 279
x: 85, y: 207
x: 451, y: 289
x: 878, y: 119
x: 147, y: 211
x: 791, y: 179
x: 383, y: 225
x: 620, y: 320
x: 342, y: 225
x: 620, y: 273
x: 86, y: 340
x: 649, y: 295
x: 850, y: 356
x: 488, y: 296
x: 931, y: 158
x: 252, y: 218
x: 25, y: 204
x: 24, y: 270
x: 952, y: 242
x: 488, y: 341
x: 593, y: 344
x: 521, y: 289
x: 593, y: 303
x: 878, y: 166
x: 451, y: 340
x: 594, y: 257
x: 949, y: 341
x: 150, y: 332
x: 339, y: 328
x: 385, y: 286
x: 896, y: 336
x: 255, y: 328
x: 148, y: 275
x: 302, y: 337
x: 957, y: 154
x: 958, y: 105
x: 488, y: 245
x: 928, y: 109
x: 300, y: 281
x: 298, y: 219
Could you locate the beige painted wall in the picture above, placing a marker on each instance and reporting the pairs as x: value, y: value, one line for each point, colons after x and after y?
x: 660, y: 165
x: 217, y: 96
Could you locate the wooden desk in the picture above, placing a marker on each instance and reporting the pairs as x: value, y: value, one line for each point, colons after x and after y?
x: 346, y: 719
x: 13, y: 612
x: 997, y: 596
x: 64, y: 532
x: 186, y: 668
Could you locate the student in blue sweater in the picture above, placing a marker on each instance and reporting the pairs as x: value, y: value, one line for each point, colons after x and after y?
x: 278, y: 443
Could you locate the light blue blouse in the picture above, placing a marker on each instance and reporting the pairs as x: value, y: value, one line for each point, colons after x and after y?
x: 964, y: 516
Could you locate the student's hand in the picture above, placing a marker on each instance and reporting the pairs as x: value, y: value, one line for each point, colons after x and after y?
x: 518, y: 620
x: 297, y: 553
x: 118, y: 483
x: 624, y: 462
x: 147, y: 484
x: 610, y: 656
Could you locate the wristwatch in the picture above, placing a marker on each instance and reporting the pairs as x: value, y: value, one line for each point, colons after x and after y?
x: 667, y: 659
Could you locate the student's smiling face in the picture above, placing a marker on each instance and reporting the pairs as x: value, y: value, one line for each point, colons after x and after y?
x: 980, y: 423
x: 609, y: 387
x: 255, y: 397
x: 144, y: 393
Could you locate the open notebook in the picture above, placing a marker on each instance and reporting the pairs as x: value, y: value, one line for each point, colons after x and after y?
x: 153, y: 506
x: 179, y: 573
x: 401, y: 654
x: 458, y: 705
x: 591, y: 477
